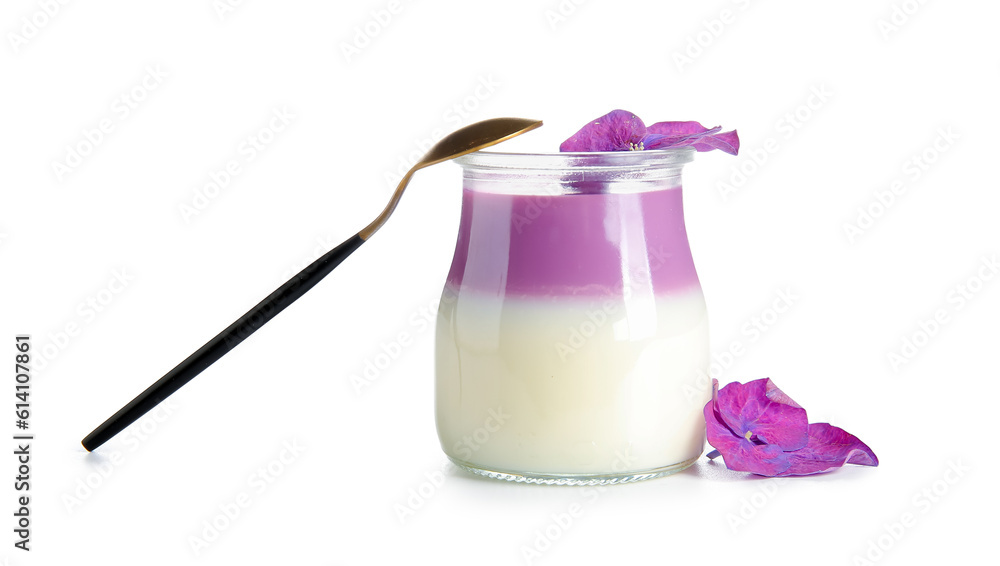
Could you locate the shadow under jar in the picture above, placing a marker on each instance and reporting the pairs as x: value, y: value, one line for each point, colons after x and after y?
x: 572, y: 337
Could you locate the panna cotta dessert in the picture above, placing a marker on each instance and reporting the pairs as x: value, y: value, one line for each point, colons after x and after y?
x: 572, y: 336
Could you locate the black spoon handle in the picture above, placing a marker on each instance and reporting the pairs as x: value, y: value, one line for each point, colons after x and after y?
x: 223, y: 343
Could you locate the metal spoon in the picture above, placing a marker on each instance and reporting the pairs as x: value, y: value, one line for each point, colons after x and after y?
x: 466, y: 140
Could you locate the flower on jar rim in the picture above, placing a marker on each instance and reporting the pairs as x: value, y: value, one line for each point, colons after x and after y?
x: 620, y: 130
x: 757, y: 428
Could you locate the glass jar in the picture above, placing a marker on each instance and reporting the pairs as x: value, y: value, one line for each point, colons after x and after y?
x: 572, y: 337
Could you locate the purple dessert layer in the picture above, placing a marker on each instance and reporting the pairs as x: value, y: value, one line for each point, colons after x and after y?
x: 590, y: 245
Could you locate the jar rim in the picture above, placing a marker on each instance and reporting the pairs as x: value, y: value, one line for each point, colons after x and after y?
x: 598, y: 160
x: 580, y: 173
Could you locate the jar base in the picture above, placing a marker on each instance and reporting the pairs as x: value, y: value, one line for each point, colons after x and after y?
x: 575, y: 479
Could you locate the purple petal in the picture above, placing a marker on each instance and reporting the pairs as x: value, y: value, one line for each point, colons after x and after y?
x: 666, y: 142
x: 716, y: 412
x: 762, y: 459
x: 739, y: 453
x: 777, y: 395
x: 677, y: 129
x: 782, y: 425
x: 829, y: 447
x: 760, y: 409
x: 681, y: 134
x: 782, y: 421
x: 731, y: 399
x: 654, y: 141
x: 728, y: 142
x: 617, y: 130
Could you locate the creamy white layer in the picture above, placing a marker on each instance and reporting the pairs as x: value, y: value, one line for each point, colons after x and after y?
x: 558, y: 385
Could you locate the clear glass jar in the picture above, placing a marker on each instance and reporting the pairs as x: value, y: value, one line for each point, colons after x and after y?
x: 572, y: 337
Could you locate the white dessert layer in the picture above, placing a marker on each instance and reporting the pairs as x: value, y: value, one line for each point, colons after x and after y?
x: 572, y: 385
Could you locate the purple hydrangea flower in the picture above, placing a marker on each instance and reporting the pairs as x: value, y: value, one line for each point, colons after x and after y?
x: 756, y: 428
x: 620, y: 130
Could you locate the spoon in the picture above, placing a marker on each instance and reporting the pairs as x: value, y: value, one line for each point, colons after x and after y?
x: 460, y: 142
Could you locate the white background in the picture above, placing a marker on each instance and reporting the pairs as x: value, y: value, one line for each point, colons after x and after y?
x: 889, y: 93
